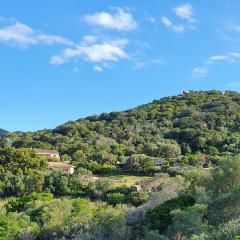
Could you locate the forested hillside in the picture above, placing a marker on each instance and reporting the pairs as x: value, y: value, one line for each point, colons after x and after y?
x: 139, y: 200
x: 190, y: 124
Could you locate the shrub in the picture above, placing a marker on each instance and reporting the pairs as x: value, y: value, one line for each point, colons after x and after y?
x: 137, y: 198
x: 115, y: 198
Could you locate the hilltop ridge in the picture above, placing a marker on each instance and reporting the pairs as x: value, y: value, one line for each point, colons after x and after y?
x: 196, y: 122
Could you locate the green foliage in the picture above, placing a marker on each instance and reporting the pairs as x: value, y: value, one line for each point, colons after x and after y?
x: 21, y: 161
x: 57, y: 182
x: 98, y: 168
x: 227, y: 231
x: 195, y: 122
x: 115, y: 198
x: 201, y: 126
x: 19, y: 204
x: 137, y: 198
x: 51, y: 216
x: 13, y: 226
x: 188, y: 221
x: 97, y: 189
x: 111, y: 223
x: 139, y: 163
x: 226, y: 177
x: 160, y: 217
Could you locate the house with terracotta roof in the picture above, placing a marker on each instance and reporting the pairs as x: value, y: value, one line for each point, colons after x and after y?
x: 62, y: 166
x: 48, y: 153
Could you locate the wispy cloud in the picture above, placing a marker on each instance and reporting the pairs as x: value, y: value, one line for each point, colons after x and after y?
x: 142, y: 64
x: 185, y: 14
x: 122, y: 20
x: 236, y: 28
x: 218, y: 58
x: 106, y: 51
x: 234, y: 84
x: 199, y: 72
x: 236, y: 55
x: 97, y: 68
x: 150, y: 18
x: 168, y: 23
x: 230, y: 57
x: 184, y: 11
x: 21, y: 35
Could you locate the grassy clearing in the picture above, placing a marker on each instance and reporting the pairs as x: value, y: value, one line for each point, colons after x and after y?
x: 124, y: 179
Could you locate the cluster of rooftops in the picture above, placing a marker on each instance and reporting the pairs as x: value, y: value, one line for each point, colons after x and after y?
x: 68, y: 168
x: 54, y: 154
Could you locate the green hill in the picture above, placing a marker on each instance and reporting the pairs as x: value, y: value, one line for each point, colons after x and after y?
x: 3, y: 132
x: 190, y: 123
x: 137, y: 198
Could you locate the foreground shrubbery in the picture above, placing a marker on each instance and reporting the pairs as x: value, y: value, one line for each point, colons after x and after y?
x: 205, y: 207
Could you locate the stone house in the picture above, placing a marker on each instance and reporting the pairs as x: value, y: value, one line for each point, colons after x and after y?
x: 48, y: 153
x: 65, y: 167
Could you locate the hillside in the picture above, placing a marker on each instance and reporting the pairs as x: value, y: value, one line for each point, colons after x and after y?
x: 3, y: 132
x: 196, y: 122
x: 104, y: 198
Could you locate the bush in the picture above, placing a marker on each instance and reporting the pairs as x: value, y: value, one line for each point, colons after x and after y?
x: 98, y: 189
x: 137, y: 198
x: 18, y: 204
x: 115, y: 198
x: 160, y: 217
x: 98, y: 168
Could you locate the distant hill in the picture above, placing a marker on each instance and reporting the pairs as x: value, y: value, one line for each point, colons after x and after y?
x: 3, y: 132
x: 190, y: 123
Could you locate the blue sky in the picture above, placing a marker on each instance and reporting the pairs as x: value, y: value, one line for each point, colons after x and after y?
x: 63, y: 60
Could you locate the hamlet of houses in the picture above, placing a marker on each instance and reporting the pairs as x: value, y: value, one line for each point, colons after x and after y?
x: 63, y: 166
x: 69, y: 169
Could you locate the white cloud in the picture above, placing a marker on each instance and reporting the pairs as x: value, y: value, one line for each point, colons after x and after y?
x: 50, y: 39
x: 218, y: 58
x: 122, y: 20
x: 184, y: 11
x: 178, y: 28
x: 158, y: 61
x: 234, y: 84
x: 234, y: 54
x: 21, y: 35
x: 108, y: 51
x: 199, y: 72
x: 97, y: 68
x: 230, y: 57
x: 139, y: 65
x: 168, y: 23
x: 142, y: 64
x: 89, y: 39
x: 236, y: 28
x: 151, y: 19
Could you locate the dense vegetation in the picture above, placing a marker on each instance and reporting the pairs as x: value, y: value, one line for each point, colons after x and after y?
x: 189, y: 202
x: 188, y: 124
